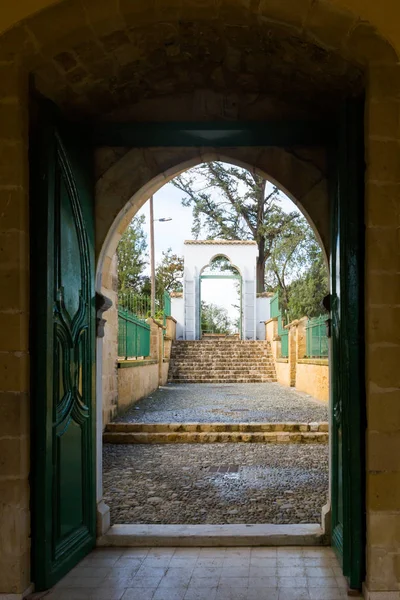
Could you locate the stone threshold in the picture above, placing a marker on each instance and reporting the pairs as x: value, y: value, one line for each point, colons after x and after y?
x: 140, y: 535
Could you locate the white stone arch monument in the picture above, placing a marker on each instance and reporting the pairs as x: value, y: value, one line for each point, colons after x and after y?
x: 200, y: 253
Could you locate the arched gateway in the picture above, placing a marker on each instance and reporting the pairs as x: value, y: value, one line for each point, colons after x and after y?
x: 200, y: 253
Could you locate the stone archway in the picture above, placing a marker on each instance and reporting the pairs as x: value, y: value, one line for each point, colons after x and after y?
x: 76, y: 48
x: 303, y: 178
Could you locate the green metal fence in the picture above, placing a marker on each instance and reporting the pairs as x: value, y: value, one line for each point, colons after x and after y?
x: 276, y: 312
x: 316, y: 339
x: 133, y: 335
x: 133, y: 331
x: 283, y: 333
x: 137, y: 304
x: 274, y: 306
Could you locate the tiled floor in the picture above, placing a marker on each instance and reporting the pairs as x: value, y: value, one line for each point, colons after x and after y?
x: 204, y: 574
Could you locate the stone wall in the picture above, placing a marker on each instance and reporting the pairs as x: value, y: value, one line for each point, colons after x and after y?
x: 308, y: 375
x: 136, y: 380
x: 312, y: 377
x: 382, y: 322
x: 14, y: 332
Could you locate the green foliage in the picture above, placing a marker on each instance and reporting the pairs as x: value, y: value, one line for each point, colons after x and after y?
x: 306, y: 293
x: 215, y: 319
x: 232, y: 203
x: 169, y: 273
x: 132, y: 256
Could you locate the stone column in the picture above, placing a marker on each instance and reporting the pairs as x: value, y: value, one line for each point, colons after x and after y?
x: 292, y: 347
x: 14, y: 327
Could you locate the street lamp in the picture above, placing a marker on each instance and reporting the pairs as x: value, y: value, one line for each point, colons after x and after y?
x: 152, y: 257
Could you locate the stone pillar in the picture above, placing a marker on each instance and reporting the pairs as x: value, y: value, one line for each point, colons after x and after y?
x: 292, y: 347
x: 301, y: 341
x: 14, y: 327
x: 382, y: 279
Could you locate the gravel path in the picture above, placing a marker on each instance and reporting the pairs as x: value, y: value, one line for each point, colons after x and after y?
x: 265, y: 483
x: 226, y: 402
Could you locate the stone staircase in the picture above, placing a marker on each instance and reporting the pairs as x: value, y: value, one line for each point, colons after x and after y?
x: 221, y: 361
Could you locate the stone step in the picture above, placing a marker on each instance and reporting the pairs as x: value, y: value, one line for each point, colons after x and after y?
x: 232, y: 380
x: 216, y: 427
x: 221, y: 361
x: 261, y: 437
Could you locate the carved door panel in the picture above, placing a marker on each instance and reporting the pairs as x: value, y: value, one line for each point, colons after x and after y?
x: 347, y: 390
x: 63, y: 320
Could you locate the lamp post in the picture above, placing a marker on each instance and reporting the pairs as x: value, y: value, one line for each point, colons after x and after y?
x: 152, y: 257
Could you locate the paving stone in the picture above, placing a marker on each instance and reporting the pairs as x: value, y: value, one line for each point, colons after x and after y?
x: 226, y: 403
x: 209, y: 491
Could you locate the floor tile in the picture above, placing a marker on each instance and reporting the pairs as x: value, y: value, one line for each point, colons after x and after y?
x: 327, y: 594
x: 294, y: 594
x: 138, y: 594
x: 205, y: 574
x: 205, y: 593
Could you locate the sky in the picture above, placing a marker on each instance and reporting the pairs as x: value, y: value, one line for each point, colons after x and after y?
x: 172, y: 234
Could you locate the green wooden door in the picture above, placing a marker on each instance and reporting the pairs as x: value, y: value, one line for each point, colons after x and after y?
x: 347, y: 392
x: 62, y: 347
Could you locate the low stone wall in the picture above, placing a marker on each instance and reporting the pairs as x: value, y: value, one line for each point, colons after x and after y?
x: 136, y: 379
x: 312, y: 377
x: 308, y: 375
x: 139, y: 378
x: 282, y: 369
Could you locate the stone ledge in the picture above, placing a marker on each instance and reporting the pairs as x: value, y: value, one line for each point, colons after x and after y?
x: 282, y: 360
x: 271, y: 320
x: 258, y: 437
x: 254, y: 427
x: 128, y: 364
x: 313, y: 361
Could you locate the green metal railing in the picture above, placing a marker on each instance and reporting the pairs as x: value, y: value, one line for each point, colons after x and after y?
x: 133, y: 335
x: 276, y: 312
x: 274, y: 306
x: 133, y: 331
x: 316, y: 339
x: 283, y: 333
x: 137, y: 304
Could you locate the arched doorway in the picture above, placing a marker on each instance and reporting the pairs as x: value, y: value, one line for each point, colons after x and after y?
x: 231, y: 324
x: 328, y: 40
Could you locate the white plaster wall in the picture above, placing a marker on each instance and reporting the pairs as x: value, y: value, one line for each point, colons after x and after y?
x: 178, y: 312
x: 263, y: 313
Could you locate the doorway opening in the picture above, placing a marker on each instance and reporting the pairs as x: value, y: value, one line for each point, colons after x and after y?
x: 220, y: 439
x: 220, y: 306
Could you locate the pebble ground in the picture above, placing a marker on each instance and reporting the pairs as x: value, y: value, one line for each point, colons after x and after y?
x: 227, y: 402
x: 216, y: 483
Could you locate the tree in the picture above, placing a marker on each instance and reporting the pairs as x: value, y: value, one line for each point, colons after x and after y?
x: 132, y: 256
x: 292, y: 256
x: 215, y: 319
x: 169, y: 272
x: 232, y: 203
x: 306, y: 293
